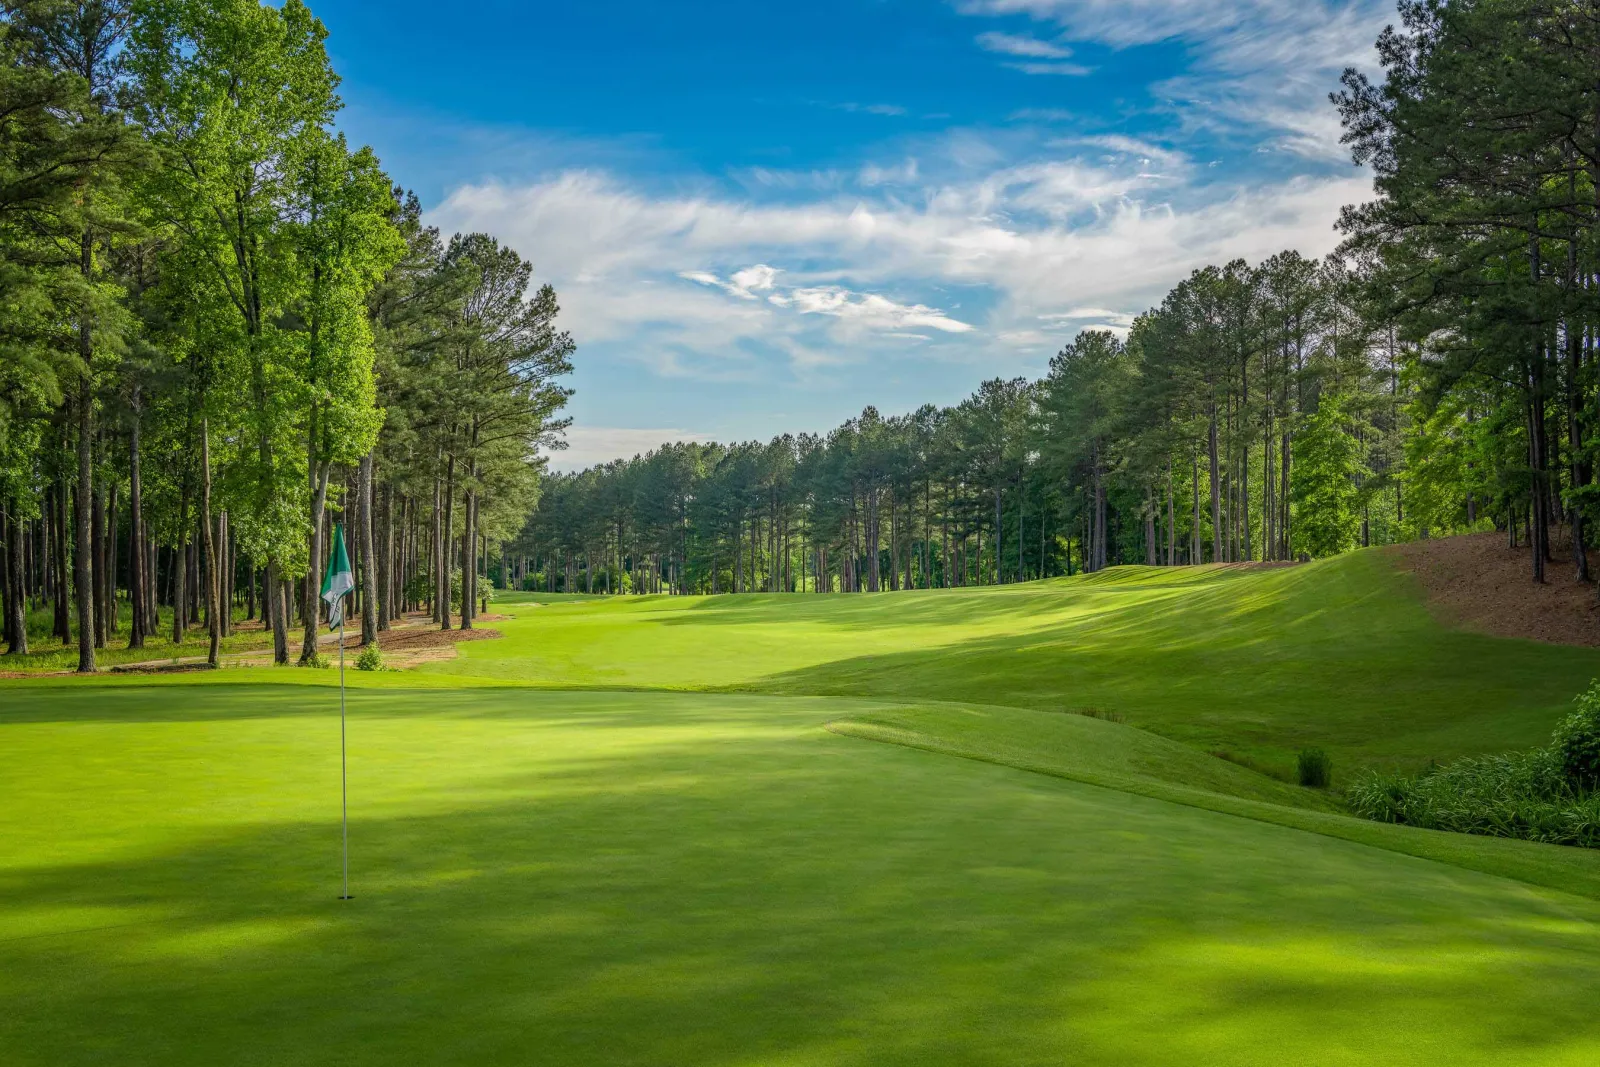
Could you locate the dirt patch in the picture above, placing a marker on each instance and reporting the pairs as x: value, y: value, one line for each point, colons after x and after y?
x: 416, y: 638
x: 1478, y: 582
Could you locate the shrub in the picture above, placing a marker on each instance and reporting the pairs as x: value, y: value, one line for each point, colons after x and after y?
x: 1577, y: 741
x: 317, y: 661
x: 1523, y: 795
x: 1315, y: 768
x: 1550, y: 794
x: 371, y: 659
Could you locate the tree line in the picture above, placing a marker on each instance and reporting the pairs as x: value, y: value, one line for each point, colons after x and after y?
x: 223, y: 328
x: 1436, y: 374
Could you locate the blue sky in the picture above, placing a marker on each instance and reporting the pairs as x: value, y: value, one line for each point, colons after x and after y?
x: 762, y: 217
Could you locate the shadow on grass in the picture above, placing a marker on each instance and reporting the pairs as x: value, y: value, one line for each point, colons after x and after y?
x: 749, y: 902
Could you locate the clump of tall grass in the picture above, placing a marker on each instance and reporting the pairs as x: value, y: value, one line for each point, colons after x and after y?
x: 1315, y: 768
x: 1551, y: 794
x: 1102, y: 714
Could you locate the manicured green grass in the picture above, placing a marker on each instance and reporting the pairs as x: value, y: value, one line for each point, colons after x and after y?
x: 654, y: 878
x: 559, y: 859
x: 1339, y: 655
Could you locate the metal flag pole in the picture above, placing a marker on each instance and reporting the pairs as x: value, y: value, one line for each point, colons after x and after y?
x: 344, y: 773
x: 339, y: 583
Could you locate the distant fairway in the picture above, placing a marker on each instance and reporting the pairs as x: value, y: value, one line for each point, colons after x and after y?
x: 558, y: 860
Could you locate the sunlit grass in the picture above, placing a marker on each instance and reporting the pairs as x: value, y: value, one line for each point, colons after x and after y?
x: 571, y: 878
x: 804, y: 830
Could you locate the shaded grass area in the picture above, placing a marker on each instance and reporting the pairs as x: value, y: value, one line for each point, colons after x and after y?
x: 616, y: 878
x: 47, y: 653
x: 1340, y: 655
x: 1119, y: 757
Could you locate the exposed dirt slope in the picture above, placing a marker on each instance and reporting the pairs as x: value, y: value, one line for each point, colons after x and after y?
x: 1480, y: 583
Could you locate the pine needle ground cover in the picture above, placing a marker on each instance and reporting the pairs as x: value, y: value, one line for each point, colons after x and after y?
x: 805, y: 831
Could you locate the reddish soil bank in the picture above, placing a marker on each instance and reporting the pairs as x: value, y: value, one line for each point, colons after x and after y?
x: 415, y: 638
x: 1479, y: 582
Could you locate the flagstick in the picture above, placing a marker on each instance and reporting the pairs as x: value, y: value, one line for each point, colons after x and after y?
x: 344, y: 774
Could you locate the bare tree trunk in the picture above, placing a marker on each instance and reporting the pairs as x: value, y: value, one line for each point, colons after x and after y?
x: 97, y: 560
x: 1194, y: 527
x: 83, y: 563
x: 469, y: 560
x: 213, y: 564
x: 446, y: 539
x: 113, y: 616
x: 369, y: 571
x: 385, y: 561
x: 319, y: 473
x: 1218, y: 535
x: 180, y: 569
x: 59, y: 521
x: 16, y: 585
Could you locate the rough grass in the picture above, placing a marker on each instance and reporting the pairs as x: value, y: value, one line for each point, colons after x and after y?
x: 558, y: 859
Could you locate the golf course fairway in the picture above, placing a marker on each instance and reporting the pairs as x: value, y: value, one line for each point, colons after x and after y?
x: 804, y: 830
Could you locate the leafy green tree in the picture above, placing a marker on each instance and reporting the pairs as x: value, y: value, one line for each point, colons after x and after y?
x: 1325, y: 491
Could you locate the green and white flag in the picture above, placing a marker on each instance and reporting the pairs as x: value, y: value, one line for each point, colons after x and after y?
x: 339, y: 580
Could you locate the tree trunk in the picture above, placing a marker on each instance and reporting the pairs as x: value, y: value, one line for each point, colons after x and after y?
x: 59, y: 521
x: 1149, y: 528
x: 446, y: 539
x: 369, y: 575
x: 1218, y: 535
x: 83, y: 546
x: 213, y: 576
x: 16, y: 586
x: 385, y: 575
x: 180, y: 569
x: 469, y: 560
x: 97, y: 560
x: 1194, y: 526
x: 312, y: 615
x: 136, y: 535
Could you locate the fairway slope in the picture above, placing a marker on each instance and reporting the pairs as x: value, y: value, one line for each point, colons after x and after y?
x: 1342, y: 655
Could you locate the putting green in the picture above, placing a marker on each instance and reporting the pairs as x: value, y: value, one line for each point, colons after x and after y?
x: 655, y: 878
x: 556, y: 859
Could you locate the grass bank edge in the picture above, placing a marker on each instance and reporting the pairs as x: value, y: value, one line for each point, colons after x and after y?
x: 1550, y: 867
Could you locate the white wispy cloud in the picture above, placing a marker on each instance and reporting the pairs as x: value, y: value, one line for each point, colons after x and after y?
x: 873, y: 311
x: 825, y: 279
x: 1010, y: 44
x: 885, y: 110
x: 870, y: 311
x: 1254, y: 63
x: 1065, y: 70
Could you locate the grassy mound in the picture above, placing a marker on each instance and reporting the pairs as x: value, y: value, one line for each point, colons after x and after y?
x: 1339, y: 655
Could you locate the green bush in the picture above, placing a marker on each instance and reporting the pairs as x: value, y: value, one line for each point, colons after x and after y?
x: 1550, y: 794
x: 371, y: 659
x: 1577, y: 741
x: 1523, y: 795
x: 317, y: 661
x: 1315, y: 768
